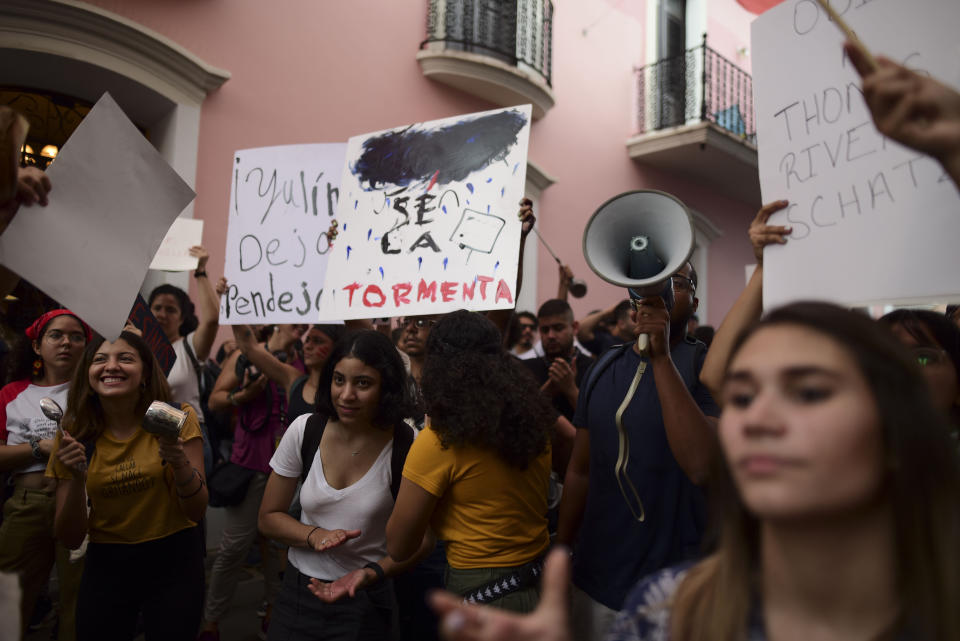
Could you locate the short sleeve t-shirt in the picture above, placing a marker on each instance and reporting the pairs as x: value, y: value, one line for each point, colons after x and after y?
x: 490, y: 513
x: 366, y: 506
x: 614, y: 549
x: 132, y: 493
x: 21, y: 418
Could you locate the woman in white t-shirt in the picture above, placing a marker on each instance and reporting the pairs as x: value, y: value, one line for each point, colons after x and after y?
x: 191, y: 335
x: 334, y: 585
x: 42, y: 368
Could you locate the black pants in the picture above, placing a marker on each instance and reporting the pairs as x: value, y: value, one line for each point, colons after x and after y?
x: 161, y: 579
x: 300, y: 616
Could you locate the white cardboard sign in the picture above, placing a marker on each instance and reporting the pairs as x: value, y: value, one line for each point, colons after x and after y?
x: 428, y: 218
x: 113, y: 199
x: 873, y: 222
x: 282, y: 201
x: 174, y: 253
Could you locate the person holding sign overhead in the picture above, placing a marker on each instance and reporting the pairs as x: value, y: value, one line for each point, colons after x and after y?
x: 190, y: 335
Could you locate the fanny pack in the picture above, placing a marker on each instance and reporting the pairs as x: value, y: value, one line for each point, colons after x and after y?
x: 525, y: 576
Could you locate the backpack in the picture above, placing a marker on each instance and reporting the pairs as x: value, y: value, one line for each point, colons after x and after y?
x: 218, y: 424
x: 402, y: 440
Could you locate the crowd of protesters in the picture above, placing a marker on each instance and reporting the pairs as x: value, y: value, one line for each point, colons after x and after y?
x: 376, y: 464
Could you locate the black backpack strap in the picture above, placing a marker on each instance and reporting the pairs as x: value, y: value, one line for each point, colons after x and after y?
x: 195, y: 363
x: 402, y: 440
x: 593, y: 374
x: 312, y: 433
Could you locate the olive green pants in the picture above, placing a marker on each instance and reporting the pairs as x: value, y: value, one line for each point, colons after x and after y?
x: 463, y: 581
x: 28, y: 548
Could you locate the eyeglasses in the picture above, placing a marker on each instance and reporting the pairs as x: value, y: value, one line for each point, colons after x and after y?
x: 55, y: 336
x: 682, y: 282
x: 927, y: 356
x: 529, y: 326
x: 419, y: 323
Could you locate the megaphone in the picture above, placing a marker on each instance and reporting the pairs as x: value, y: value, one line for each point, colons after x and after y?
x: 637, y: 240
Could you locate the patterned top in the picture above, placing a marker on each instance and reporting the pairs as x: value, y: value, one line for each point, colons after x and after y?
x: 646, y: 613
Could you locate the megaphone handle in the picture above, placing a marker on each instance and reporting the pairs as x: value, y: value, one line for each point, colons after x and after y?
x: 643, y: 343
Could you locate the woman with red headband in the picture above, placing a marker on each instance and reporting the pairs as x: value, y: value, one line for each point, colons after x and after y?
x: 27, y: 547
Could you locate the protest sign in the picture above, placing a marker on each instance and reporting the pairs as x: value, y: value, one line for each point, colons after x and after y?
x: 174, y: 253
x: 113, y: 199
x: 143, y: 319
x: 282, y: 202
x: 873, y: 222
x: 428, y: 218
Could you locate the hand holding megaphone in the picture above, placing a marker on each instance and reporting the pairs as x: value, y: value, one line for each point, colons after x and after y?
x: 653, y: 325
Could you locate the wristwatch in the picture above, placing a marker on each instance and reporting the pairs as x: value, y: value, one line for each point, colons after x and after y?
x: 35, y: 446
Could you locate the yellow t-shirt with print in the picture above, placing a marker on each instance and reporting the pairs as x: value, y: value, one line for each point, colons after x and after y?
x: 490, y: 514
x: 132, y: 494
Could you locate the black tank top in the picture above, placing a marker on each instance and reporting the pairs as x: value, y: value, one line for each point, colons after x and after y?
x: 297, y: 406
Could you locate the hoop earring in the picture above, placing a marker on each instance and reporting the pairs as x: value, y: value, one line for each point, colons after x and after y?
x: 37, y: 367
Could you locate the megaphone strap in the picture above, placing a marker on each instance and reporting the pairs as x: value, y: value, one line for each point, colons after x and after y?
x: 623, y: 457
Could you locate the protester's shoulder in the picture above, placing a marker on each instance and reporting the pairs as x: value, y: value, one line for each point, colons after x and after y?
x: 12, y: 390
x: 646, y: 611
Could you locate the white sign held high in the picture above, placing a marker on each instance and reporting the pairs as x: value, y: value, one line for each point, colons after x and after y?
x: 282, y: 202
x: 174, y: 253
x: 113, y: 199
x: 428, y: 218
x: 873, y: 222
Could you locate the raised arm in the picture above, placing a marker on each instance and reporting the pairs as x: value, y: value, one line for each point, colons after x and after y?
x: 208, y: 309
x: 749, y: 305
x: 501, y: 317
x: 588, y: 326
x: 915, y: 110
x: 225, y: 393
x: 276, y: 370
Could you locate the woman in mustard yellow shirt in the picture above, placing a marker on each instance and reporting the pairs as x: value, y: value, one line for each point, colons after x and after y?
x: 479, y: 472
x: 145, y: 497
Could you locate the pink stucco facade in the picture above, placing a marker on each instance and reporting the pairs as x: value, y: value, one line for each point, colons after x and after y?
x: 308, y: 71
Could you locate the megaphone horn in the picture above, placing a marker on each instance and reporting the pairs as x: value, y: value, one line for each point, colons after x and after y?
x: 638, y: 239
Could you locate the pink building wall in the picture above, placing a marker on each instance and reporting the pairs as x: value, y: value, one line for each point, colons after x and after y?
x: 304, y: 71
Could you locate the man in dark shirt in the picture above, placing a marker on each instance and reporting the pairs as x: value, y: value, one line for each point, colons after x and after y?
x: 562, y: 366
x: 630, y: 521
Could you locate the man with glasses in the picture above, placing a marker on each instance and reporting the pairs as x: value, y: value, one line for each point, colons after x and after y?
x: 628, y: 520
x: 413, y: 341
x: 524, y: 334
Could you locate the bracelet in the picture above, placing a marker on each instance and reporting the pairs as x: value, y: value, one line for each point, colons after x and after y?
x: 373, y: 565
x: 233, y: 401
x: 199, y: 273
x: 195, y: 492
x: 308, y: 535
x: 196, y: 472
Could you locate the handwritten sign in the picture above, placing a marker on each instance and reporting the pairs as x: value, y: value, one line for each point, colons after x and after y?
x: 282, y: 202
x: 174, y: 253
x: 428, y: 218
x: 873, y: 222
x: 143, y: 319
x: 113, y: 199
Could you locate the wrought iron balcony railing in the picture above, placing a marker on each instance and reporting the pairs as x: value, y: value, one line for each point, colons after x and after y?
x: 698, y: 86
x: 518, y: 32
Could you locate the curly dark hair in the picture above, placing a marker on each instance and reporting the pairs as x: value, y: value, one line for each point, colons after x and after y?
x: 377, y: 351
x: 188, y: 315
x: 477, y: 394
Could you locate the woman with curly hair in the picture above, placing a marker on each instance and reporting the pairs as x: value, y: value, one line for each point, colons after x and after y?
x: 139, y: 497
x: 348, y: 455
x: 479, y: 473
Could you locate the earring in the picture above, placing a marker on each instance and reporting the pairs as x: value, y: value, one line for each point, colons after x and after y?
x: 37, y: 367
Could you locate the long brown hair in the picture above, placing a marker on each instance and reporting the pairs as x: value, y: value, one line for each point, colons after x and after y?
x: 84, y: 418
x: 923, y: 486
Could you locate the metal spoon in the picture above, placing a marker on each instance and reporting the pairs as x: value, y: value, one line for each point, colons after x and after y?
x: 52, y: 410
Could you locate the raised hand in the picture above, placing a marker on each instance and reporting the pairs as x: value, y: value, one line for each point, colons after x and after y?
x: 761, y: 234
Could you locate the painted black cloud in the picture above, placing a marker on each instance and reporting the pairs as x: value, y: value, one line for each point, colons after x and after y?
x: 455, y: 151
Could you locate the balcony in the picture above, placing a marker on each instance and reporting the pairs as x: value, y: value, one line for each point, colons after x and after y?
x: 695, y: 117
x: 496, y: 50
